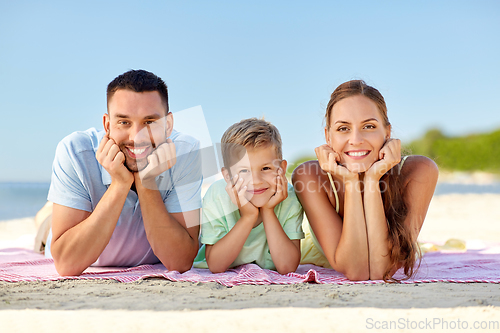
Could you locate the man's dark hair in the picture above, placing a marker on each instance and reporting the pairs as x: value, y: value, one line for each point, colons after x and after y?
x: 139, y: 81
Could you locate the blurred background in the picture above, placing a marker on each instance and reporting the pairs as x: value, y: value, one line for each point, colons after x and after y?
x: 436, y: 63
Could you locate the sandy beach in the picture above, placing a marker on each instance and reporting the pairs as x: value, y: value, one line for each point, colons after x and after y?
x: 152, y: 305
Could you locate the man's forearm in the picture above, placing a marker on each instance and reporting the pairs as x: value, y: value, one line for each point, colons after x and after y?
x: 171, y: 242
x: 75, y: 249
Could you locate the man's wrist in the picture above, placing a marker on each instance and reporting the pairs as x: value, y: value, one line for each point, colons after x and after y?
x: 121, y: 185
x: 145, y: 183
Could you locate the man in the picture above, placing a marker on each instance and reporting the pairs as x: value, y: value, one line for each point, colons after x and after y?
x: 128, y: 195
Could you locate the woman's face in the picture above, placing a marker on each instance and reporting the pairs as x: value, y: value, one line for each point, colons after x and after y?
x: 357, y: 132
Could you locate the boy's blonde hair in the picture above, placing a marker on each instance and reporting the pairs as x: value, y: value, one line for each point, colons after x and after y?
x: 252, y: 132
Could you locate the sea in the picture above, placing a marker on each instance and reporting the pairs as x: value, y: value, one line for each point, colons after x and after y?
x: 19, y: 200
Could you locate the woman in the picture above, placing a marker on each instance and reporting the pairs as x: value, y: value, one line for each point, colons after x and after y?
x: 365, y: 208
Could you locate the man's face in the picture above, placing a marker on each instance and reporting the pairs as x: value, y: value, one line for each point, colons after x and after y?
x: 133, y: 121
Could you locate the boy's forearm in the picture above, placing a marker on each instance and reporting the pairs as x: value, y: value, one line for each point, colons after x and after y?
x: 284, y: 253
x: 223, y: 253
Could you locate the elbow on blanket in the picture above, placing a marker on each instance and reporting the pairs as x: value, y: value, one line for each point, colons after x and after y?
x: 216, y: 269
x: 181, y: 268
x: 177, y: 264
x: 67, y: 269
x: 357, y: 274
x: 353, y: 272
x: 180, y: 261
x: 285, y: 269
x: 379, y: 274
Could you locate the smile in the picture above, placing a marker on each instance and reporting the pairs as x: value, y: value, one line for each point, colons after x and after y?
x: 258, y: 191
x: 358, y: 153
x: 138, y: 152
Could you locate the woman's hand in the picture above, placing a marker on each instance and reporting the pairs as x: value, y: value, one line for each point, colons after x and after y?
x: 389, y: 156
x: 329, y: 161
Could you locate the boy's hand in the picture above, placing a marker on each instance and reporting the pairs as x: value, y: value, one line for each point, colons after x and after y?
x: 281, y: 191
x: 329, y: 161
x: 112, y: 159
x: 236, y: 188
x: 389, y: 155
x: 160, y: 160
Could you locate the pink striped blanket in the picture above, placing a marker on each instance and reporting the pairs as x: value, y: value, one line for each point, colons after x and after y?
x: 476, y: 265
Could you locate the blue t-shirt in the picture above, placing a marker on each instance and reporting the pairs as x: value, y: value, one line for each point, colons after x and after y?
x: 79, y: 181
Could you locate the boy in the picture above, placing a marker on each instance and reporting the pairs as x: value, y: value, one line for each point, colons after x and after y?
x: 253, y: 215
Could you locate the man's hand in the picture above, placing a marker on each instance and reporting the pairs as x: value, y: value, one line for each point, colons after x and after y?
x: 329, y: 161
x: 112, y: 159
x: 159, y: 161
x: 236, y: 188
x: 281, y: 192
x: 389, y: 155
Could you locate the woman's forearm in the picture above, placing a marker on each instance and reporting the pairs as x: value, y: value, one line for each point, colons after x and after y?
x: 377, y: 230
x: 351, y: 255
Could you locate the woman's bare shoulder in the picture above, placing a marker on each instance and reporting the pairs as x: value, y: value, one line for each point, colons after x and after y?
x: 307, y: 170
x: 420, y: 169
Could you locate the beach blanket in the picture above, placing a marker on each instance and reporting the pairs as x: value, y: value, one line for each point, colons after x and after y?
x: 477, y: 264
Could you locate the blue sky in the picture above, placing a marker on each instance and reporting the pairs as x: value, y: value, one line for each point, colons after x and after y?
x: 436, y: 63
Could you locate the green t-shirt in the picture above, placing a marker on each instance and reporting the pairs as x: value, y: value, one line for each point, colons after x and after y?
x: 220, y: 216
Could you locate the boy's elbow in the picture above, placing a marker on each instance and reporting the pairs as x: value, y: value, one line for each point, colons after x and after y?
x: 285, y: 271
x: 216, y: 267
x: 287, y: 268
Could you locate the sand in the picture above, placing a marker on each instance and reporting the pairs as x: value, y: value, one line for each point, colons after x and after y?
x: 255, y: 320
x: 464, y: 216
x: 156, y: 304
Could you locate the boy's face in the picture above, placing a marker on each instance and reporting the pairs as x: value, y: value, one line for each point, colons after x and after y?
x: 258, y: 169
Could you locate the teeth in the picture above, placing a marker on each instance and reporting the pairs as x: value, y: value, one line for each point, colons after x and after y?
x: 138, y: 151
x: 357, y: 153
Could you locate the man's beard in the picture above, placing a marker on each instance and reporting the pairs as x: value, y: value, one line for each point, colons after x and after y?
x: 132, y: 164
